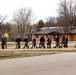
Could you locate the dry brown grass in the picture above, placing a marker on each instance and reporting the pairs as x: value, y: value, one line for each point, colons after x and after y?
x: 30, y: 52
x: 23, y: 53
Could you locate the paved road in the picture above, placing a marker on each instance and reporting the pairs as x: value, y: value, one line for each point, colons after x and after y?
x: 59, y: 64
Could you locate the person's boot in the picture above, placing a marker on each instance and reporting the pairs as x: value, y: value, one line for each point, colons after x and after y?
x: 18, y: 47
x: 55, y: 47
x: 15, y: 47
x: 2, y: 46
x: 23, y: 47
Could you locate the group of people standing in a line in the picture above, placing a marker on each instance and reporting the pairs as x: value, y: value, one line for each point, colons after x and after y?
x: 34, y: 43
x: 64, y: 42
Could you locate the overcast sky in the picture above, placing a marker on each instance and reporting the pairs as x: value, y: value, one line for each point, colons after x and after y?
x: 41, y: 8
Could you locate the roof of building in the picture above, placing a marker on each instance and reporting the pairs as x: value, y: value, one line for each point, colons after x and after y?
x: 73, y: 31
x: 52, y: 31
x: 47, y: 31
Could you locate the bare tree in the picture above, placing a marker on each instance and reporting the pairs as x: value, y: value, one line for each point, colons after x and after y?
x: 2, y: 19
x: 67, y: 15
x: 50, y: 22
x: 22, y: 20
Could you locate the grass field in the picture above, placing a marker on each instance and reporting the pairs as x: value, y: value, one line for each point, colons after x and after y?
x: 23, y: 53
x: 4, y: 54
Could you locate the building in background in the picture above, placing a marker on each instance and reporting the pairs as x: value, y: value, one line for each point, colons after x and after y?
x: 52, y: 32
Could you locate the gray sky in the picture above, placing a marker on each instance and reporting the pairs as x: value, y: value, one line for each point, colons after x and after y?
x: 41, y: 8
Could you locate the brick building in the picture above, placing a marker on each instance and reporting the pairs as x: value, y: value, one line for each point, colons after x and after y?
x: 52, y: 32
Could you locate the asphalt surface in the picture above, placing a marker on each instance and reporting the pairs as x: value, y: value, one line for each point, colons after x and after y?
x: 58, y: 64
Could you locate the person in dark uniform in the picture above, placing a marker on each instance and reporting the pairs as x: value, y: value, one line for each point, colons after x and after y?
x: 3, y: 44
x: 57, y: 42
x: 49, y: 42
x: 63, y: 41
x: 66, y: 41
x: 18, y: 40
x: 34, y: 43
x: 26, y: 43
x: 42, y: 42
